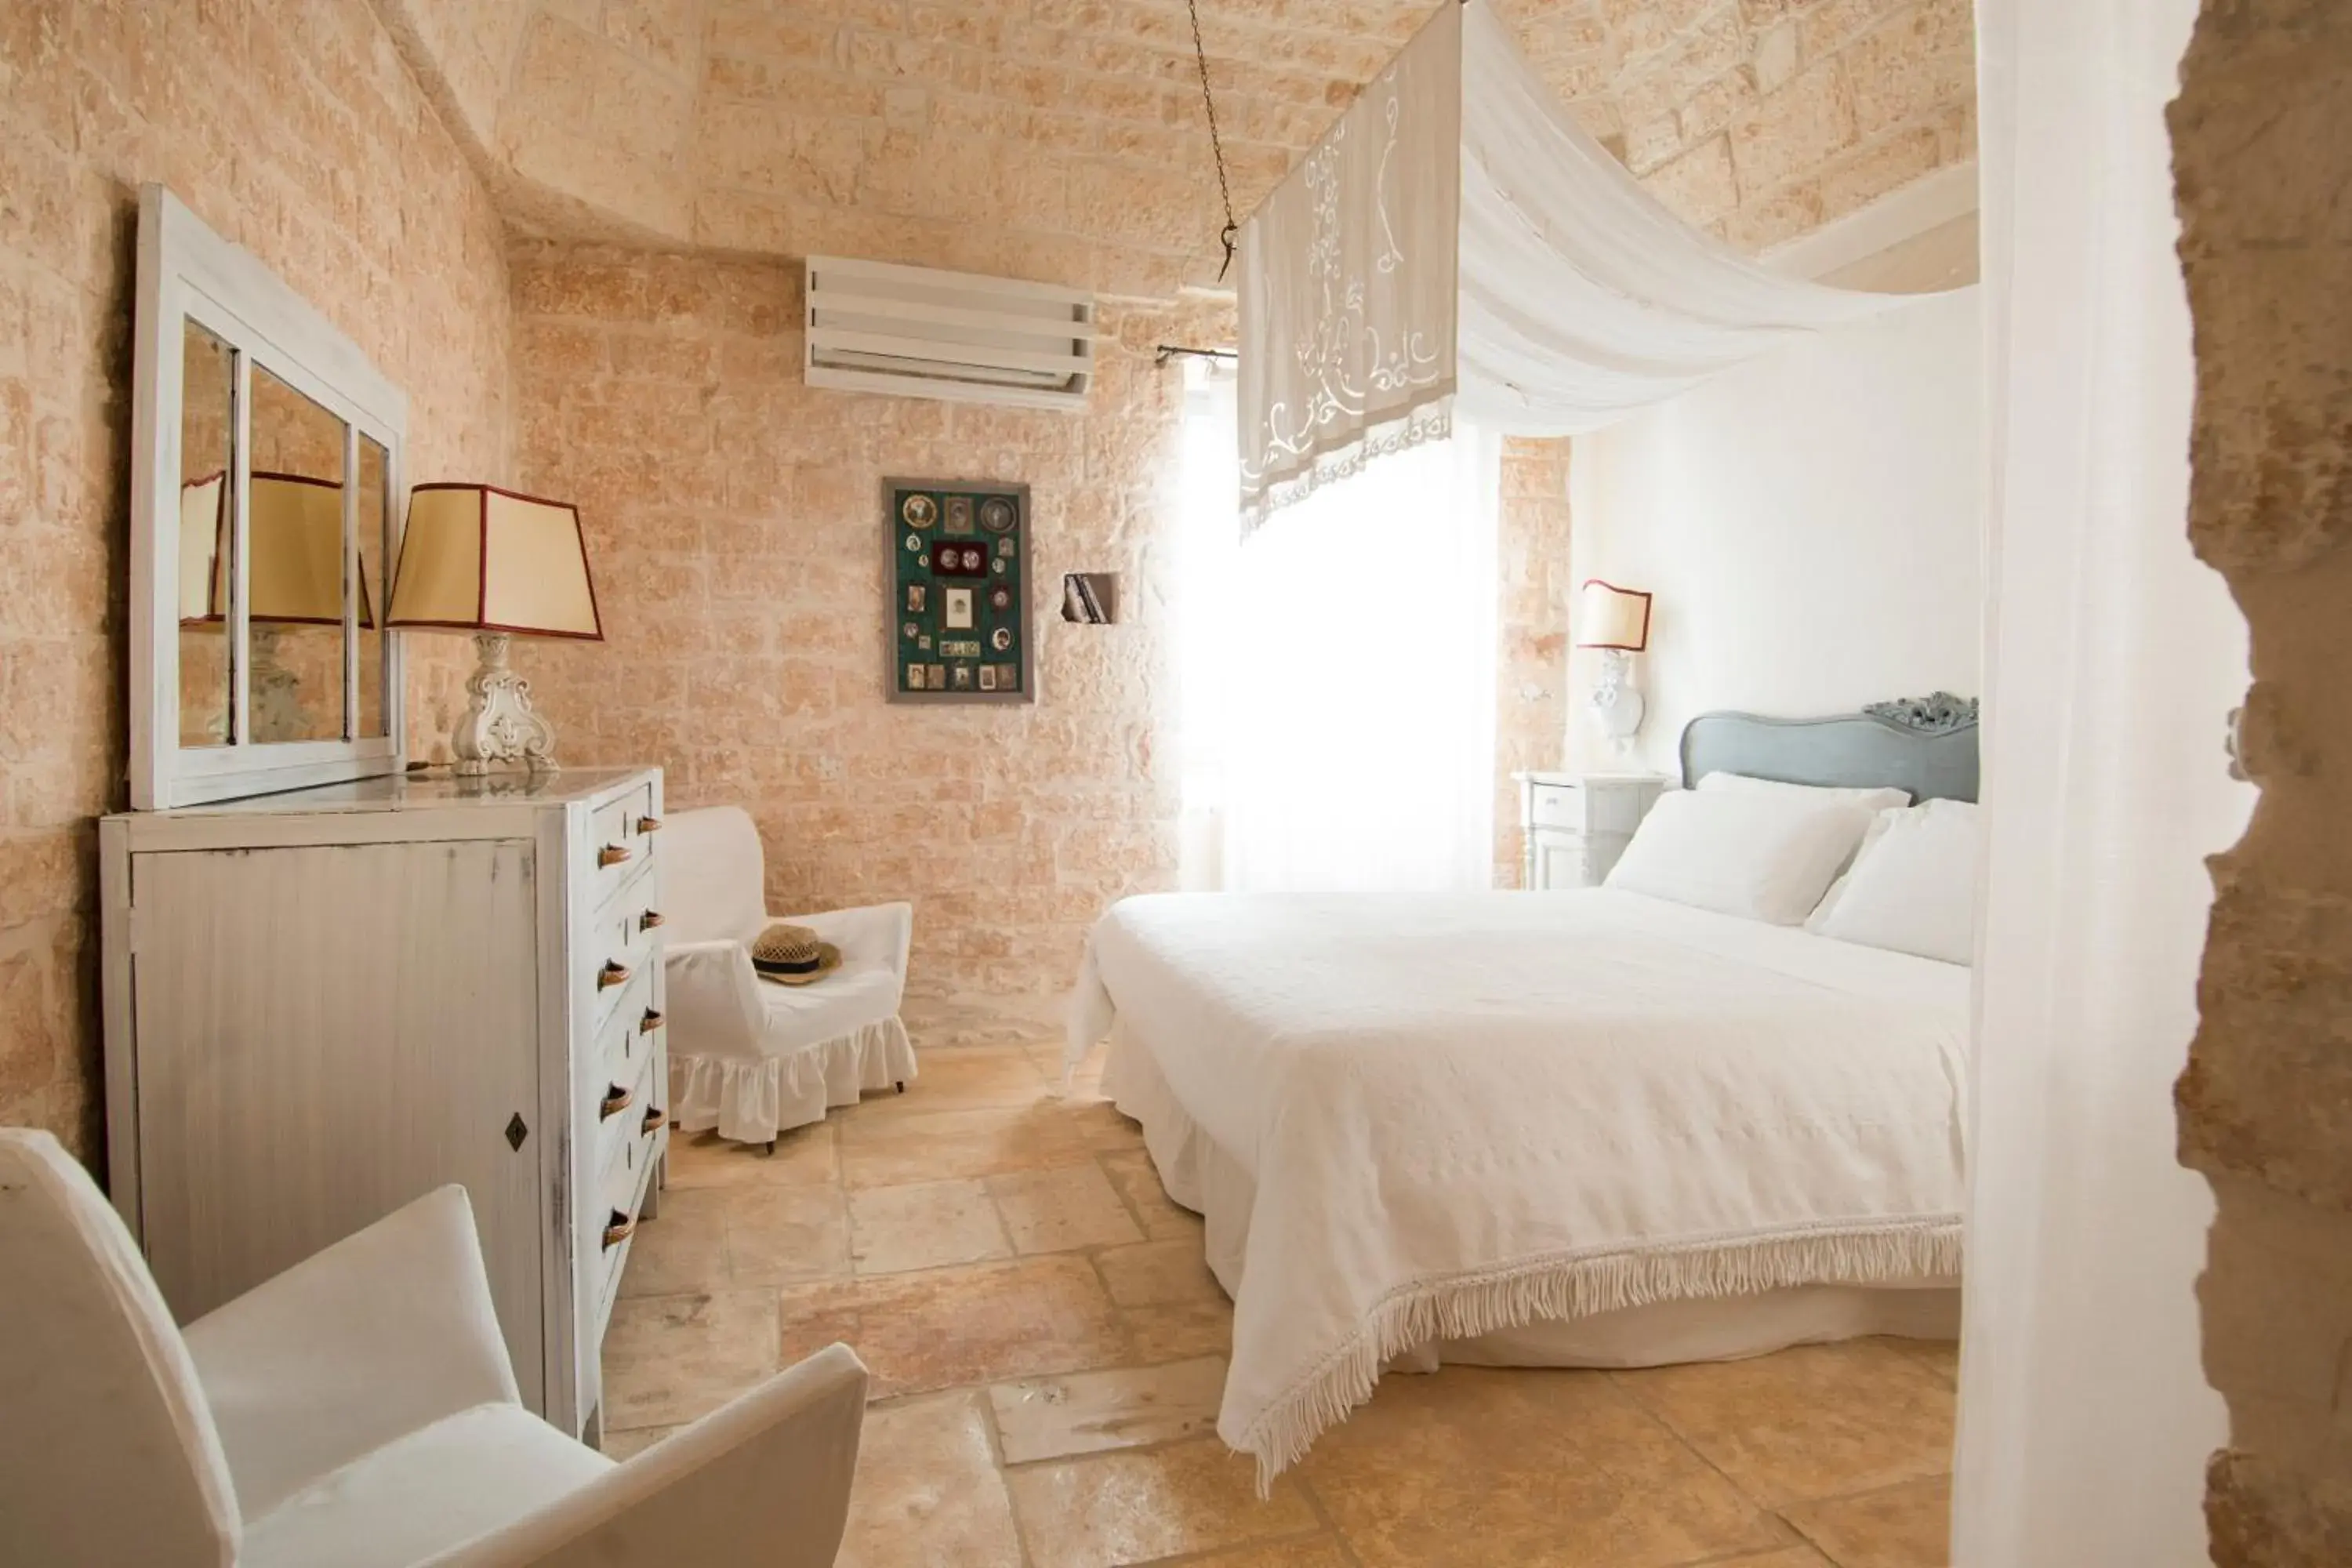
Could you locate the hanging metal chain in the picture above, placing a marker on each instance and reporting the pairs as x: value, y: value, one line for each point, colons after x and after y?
x: 1231, y: 230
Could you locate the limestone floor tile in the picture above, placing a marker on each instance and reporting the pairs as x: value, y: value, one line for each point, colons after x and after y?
x: 684, y: 1249
x: 987, y: 1322
x: 1941, y: 1355
x: 1470, y: 1467
x: 1811, y: 1422
x: 784, y: 1234
x: 1063, y: 1209
x: 937, y: 1023
x: 927, y: 1225
x: 803, y: 1155
x: 943, y: 1145
x: 962, y: 1077
x: 1163, y: 1218
x: 1083, y: 1087
x: 669, y: 1358
x: 1906, y: 1526
x: 1109, y: 1509
x: 1179, y: 1330
x: 1103, y: 1127
x: 714, y: 1238
x: 1157, y: 1273
x: 1304, y: 1552
x: 929, y: 1491
x: 1090, y: 1412
x: 1087, y: 1076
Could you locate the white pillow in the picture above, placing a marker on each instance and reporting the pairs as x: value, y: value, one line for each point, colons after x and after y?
x: 1879, y: 823
x: 1914, y: 887
x: 1744, y: 783
x: 1763, y: 855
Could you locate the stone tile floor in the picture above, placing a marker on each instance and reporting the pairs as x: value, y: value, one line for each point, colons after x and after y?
x: 1047, y: 1348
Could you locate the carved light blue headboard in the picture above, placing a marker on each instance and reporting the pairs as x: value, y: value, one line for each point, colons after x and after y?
x: 1926, y: 745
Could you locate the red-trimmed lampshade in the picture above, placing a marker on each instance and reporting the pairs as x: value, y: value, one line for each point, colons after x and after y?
x: 1611, y: 616
x: 294, y: 527
x: 480, y: 559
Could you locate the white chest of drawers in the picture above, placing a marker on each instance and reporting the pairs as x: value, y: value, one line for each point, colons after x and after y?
x: 1576, y: 824
x: 322, y: 1004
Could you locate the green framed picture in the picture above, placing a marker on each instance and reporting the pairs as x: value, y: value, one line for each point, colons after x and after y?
x: 959, y: 629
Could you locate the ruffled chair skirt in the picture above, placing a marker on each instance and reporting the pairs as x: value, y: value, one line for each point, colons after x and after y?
x: 751, y: 1101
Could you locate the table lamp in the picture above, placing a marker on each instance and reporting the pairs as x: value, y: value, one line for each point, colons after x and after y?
x: 480, y: 559
x: 294, y: 530
x: 1616, y: 622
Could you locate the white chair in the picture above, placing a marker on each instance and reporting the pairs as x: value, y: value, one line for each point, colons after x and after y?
x: 358, y: 1410
x: 752, y: 1057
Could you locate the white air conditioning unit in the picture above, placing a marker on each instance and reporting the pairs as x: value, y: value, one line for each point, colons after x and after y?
x: 920, y: 333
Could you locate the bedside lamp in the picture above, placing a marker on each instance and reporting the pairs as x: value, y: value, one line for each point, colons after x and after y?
x: 479, y: 559
x: 1616, y: 621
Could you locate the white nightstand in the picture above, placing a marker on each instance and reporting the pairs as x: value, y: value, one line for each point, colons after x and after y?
x: 1576, y: 824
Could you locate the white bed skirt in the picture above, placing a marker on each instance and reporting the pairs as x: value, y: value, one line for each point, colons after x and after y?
x: 751, y: 1101
x: 1203, y: 1178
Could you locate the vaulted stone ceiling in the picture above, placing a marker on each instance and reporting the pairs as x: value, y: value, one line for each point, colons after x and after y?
x: 1064, y: 139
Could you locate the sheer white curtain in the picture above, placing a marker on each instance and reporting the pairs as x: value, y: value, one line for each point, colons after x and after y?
x: 2114, y: 660
x: 1338, y: 672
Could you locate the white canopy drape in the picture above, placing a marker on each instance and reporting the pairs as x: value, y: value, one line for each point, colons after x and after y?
x: 1455, y: 237
x: 2113, y: 657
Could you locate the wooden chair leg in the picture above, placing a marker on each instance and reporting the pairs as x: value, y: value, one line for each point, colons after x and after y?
x: 772, y: 1149
x: 902, y: 1087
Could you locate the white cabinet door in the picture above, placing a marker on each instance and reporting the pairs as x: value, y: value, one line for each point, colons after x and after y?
x: 325, y: 1033
x: 1559, y: 861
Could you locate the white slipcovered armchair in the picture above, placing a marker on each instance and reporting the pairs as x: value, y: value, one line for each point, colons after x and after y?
x: 752, y: 1057
x: 358, y: 1410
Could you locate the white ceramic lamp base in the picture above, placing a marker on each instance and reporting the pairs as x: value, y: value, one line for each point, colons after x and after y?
x: 500, y: 726
x: 1616, y: 706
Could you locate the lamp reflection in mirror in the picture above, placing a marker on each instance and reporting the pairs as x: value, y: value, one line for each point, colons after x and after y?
x: 294, y: 532
x: 1615, y: 622
x: 488, y: 560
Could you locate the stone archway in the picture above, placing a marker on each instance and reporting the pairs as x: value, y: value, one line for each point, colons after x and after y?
x: 2264, y: 180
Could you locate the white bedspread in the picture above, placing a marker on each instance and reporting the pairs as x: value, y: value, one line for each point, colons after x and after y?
x: 1463, y: 1112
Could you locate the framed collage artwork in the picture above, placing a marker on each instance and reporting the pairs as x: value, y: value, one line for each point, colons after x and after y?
x: 959, y: 629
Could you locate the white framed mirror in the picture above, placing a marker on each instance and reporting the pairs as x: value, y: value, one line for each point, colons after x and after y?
x: 267, y: 471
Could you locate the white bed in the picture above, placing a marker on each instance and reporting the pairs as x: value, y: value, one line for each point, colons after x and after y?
x: 1418, y: 1124
x: 1560, y: 1129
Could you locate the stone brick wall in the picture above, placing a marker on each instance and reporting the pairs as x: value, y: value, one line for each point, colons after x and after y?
x: 740, y: 559
x: 2262, y: 164
x: 739, y: 553
x: 1063, y: 140
x: 1531, y: 662
x: 297, y: 132
x: 1764, y: 119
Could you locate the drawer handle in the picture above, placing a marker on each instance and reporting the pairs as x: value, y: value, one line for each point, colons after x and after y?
x: 616, y: 1101
x: 649, y: 919
x: 649, y: 824
x: 655, y: 1117
x: 649, y: 1023
x: 618, y: 1229
x: 611, y: 855
x: 612, y: 974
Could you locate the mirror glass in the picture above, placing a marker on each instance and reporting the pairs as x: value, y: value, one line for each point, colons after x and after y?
x: 208, y: 426
x: 294, y: 532
x: 375, y: 584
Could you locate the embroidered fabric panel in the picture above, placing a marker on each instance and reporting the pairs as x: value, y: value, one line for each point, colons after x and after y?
x: 1459, y: 249
x: 1348, y: 278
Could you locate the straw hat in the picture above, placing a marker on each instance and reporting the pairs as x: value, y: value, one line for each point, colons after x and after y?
x: 791, y: 955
